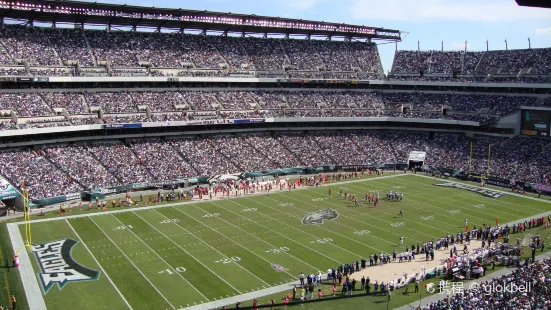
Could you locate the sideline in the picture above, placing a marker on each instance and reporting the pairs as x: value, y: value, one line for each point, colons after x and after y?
x: 240, y: 298
x: 33, y: 292
x: 35, y: 298
x: 131, y: 209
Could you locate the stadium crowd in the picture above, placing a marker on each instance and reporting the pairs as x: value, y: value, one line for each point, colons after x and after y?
x: 53, y: 52
x: 537, y: 276
x: 491, y: 66
x: 504, y: 62
x: 56, y: 47
x: 123, y: 105
x: 129, y: 49
x: 518, y: 158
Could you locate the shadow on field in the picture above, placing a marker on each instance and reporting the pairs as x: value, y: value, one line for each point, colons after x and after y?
x: 6, y: 265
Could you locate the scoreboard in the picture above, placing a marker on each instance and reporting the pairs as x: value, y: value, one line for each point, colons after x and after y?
x: 535, y: 123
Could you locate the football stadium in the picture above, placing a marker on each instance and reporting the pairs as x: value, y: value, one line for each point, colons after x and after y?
x: 158, y: 158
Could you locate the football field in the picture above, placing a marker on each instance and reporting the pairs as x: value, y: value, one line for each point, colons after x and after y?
x: 212, y: 253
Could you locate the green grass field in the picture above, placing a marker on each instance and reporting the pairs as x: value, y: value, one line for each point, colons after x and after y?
x: 172, y: 257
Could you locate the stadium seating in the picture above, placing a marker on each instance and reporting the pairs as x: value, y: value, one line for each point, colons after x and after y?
x: 65, y: 169
x: 56, y: 52
x: 509, y: 66
x: 537, y: 297
x: 126, y: 53
x: 124, y: 106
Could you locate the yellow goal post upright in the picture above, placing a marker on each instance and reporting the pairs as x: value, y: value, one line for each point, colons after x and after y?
x: 489, y: 161
x: 27, y: 220
x: 482, y: 177
x: 470, y: 159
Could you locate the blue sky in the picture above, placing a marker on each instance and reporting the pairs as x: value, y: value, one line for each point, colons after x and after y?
x: 429, y: 21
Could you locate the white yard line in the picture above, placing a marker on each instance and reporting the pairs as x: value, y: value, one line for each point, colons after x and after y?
x: 327, y: 229
x: 419, y: 204
x: 131, y: 262
x: 366, y: 214
x: 260, y: 239
x: 416, y: 205
x: 130, y: 209
x: 507, y: 193
x: 34, y: 294
x: 200, y: 262
x: 221, y: 234
x: 489, y: 189
x: 35, y: 299
x: 461, y: 193
x: 290, y: 239
x: 101, y: 267
x: 210, y: 246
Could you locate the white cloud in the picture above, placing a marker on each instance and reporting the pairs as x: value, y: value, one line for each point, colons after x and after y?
x: 544, y: 31
x: 423, y: 10
x: 299, y: 5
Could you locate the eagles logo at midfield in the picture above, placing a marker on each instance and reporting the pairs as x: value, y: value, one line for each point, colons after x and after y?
x: 319, y: 216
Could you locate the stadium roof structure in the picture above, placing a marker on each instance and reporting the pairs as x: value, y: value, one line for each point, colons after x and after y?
x: 78, y: 12
x: 535, y: 3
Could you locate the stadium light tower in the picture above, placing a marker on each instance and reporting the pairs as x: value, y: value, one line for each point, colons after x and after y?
x: 529, y: 43
x: 506, y: 45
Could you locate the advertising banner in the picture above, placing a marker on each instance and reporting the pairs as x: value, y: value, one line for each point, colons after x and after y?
x: 7, y: 191
x: 134, y: 125
x: 246, y: 121
x: 543, y: 188
x: 417, y: 156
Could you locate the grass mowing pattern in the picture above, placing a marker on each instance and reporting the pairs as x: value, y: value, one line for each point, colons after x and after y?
x: 174, y: 257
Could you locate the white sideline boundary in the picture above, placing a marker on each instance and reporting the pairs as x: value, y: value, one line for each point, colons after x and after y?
x: 247, y: 296
x: 35, y: 299
x: 132, y: 209
x: 34, y: 294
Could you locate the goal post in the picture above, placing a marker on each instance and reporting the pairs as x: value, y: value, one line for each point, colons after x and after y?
x: 26, y: 219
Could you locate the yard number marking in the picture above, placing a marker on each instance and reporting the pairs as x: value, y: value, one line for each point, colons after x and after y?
x: 233, y: 259
x: 178, y: 269
x: 362, y: 232
x: 324, y: 240
x: 319, y: 199
x: 277, y: 250
x: 211, y: 215
x: 169, y: 221
x: 249, y: 210
x: 123, y: 227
